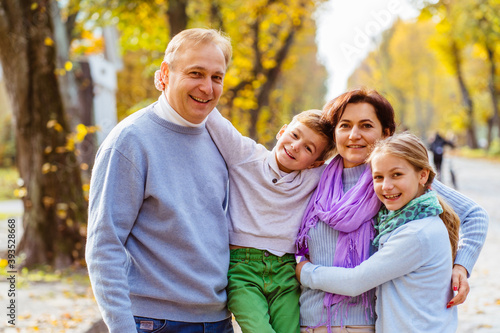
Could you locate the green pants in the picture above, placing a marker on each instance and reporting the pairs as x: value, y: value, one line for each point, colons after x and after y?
x: 262, y: 292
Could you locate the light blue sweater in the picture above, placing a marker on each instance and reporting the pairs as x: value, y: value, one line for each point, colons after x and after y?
x: 158, y: 229
x: 412, y: 270
x: 323, y: 239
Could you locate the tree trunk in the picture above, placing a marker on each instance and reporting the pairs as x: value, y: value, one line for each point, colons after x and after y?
x: 177, y: 16
x: 466, y: 99
x: 54, y: 206
x: 495, y: 119
x: 216, y: 16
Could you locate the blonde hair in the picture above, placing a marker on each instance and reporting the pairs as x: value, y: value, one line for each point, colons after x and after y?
x: 410, y: 148
x: 313, y: 120
x: 195, y: 36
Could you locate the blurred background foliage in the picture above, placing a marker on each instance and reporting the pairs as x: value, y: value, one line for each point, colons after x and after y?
x: 441, y: 72
x: 274, y: 72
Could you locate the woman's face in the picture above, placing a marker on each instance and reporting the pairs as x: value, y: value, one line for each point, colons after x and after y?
x: 357, y: 130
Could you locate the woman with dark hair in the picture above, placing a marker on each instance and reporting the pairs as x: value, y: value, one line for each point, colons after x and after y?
x: 337, y: 228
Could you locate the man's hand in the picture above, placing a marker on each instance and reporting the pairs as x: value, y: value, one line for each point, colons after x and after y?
x: 459, y: 283
x: 299, y: 268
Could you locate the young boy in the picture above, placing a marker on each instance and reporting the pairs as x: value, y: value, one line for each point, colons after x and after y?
x: 268, y: 194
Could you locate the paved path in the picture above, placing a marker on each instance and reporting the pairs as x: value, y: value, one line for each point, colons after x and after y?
x: 69, y: 307
x: 480, y: 180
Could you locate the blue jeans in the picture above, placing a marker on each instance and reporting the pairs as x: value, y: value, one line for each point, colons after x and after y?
x: 151, y: 325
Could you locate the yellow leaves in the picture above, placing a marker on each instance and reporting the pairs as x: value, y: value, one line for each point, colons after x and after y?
x: 55, y: 125
x: 20, y: 192
x: 24, y: 317
x: 78, y: 136
x: 89, y: 43
x: 68, y: 66
x: 269, y: 63
x: 62, y: 210
x: 47, y: 167
x: 245, y: 103
x: 70, y: 143
x: 48, y: 41
x: 81, y: 132
x: 48, y: 201
x: 3, y: 263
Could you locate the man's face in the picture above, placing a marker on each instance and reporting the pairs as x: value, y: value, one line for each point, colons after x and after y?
x: 194, y: 80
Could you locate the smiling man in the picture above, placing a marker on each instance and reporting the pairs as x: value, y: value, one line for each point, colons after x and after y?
x: 157, y: 248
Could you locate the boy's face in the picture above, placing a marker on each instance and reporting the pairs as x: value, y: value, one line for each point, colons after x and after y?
x: 298, y: 147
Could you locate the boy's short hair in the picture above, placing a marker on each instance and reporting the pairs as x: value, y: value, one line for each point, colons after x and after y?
x: 313, y: 120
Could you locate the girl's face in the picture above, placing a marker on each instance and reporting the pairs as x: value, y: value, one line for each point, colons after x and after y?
x: 357, y: 130
x: 395, y: 180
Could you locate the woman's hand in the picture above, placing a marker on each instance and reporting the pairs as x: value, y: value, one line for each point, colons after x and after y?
x: 298, y: 269
x: 459, y: 283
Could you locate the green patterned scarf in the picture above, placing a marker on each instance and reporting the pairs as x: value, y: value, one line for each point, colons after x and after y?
x: 423, y: 206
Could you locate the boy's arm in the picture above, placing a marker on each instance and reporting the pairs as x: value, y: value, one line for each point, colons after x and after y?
x: 234, y: 147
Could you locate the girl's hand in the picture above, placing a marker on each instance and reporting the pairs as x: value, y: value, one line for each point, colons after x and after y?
x: 298, y: 269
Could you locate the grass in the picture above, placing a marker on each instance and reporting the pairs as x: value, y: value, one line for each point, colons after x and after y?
x: 47, y: 274
x: 8, y: 183
x: 476, y: 153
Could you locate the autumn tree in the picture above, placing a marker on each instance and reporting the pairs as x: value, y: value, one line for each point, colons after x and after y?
x: 452, y: 45
x: 54, y: 206
x: 406, y: 70
x: 481, y: 28
x: 440, y: 70
x: 263, y: 34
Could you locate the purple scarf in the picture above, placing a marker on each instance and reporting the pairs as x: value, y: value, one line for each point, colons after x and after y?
x: 352, y: 215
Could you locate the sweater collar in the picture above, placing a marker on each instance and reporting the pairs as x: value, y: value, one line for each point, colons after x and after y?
x: 164, y: 110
